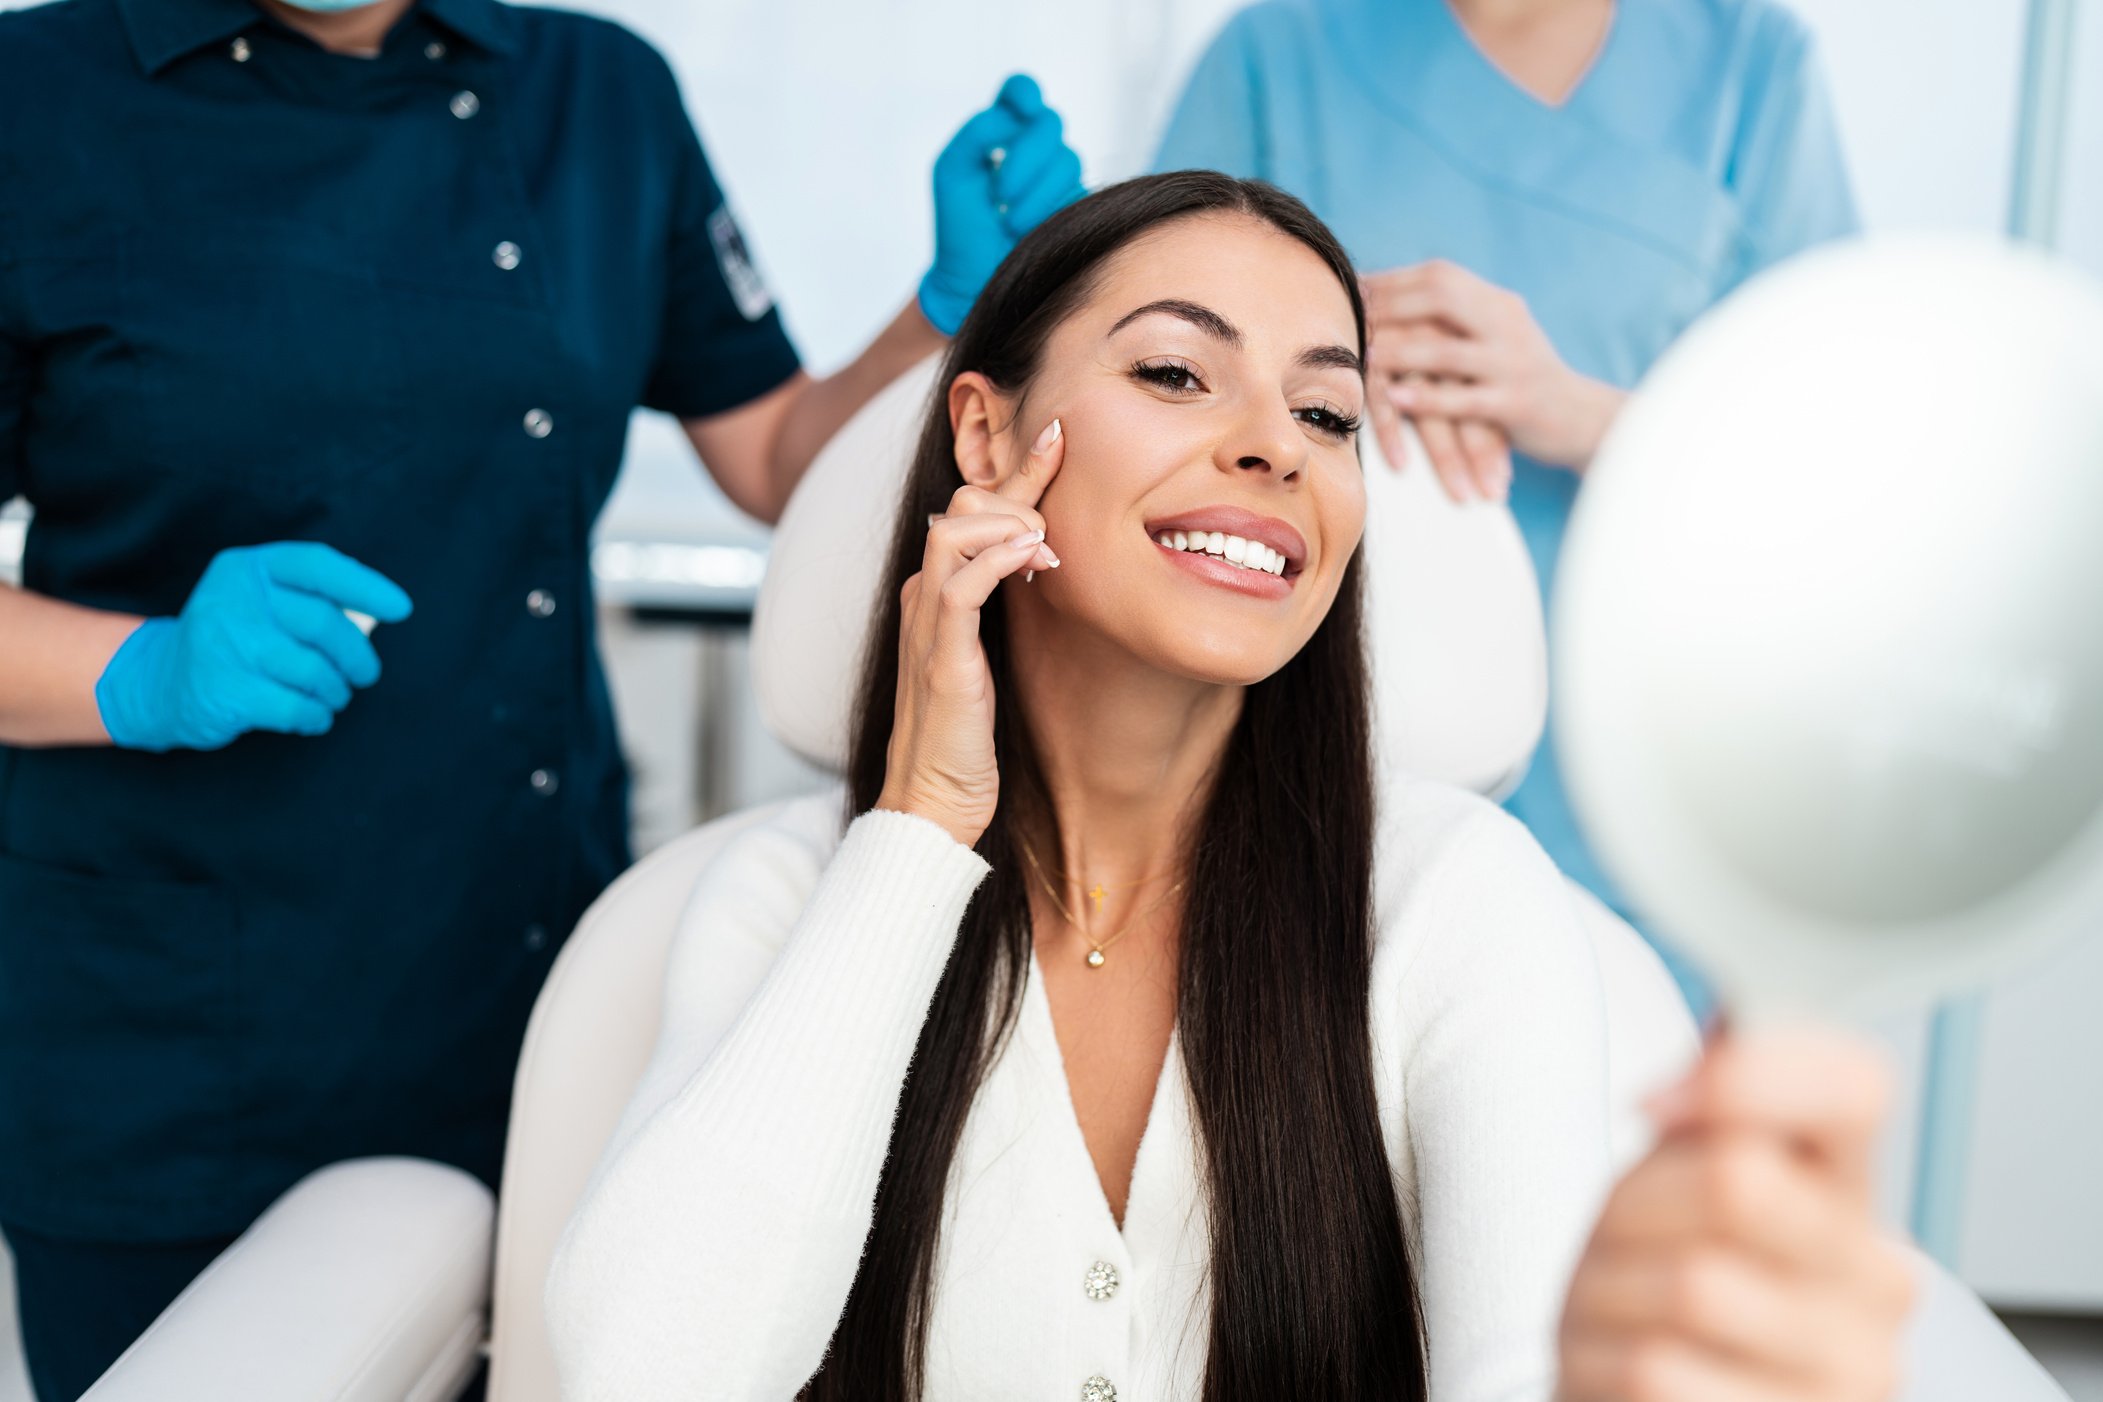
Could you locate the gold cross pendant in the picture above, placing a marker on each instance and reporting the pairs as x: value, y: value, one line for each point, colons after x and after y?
x: 1097, y: 895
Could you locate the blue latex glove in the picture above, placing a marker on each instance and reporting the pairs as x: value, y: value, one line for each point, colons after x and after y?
x: 262, y: 644
x: 985, y: 203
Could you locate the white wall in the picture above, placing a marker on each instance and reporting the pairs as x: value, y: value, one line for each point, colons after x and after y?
x: 2081, y: 196
x: 1926, y: 96
x: 2035, y: 1234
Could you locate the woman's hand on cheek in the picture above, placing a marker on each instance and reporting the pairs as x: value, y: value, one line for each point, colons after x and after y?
x: 1740, y: 1260
x: 940, y: 764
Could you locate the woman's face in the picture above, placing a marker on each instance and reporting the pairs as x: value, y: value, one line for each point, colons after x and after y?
x: 1211, y: 496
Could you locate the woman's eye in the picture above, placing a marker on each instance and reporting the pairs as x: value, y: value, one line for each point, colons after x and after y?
x: 1168, y: 375
x: 1328, y: 420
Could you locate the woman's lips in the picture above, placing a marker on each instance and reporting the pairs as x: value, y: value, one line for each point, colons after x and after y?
x: 1238, y: 521
x: 1214, y: 570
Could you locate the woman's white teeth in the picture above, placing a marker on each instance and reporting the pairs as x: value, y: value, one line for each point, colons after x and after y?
x: 1249, y: 554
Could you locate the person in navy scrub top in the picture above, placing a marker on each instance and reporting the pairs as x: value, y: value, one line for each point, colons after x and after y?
x: 309, y: 312
x: 1542, y: 194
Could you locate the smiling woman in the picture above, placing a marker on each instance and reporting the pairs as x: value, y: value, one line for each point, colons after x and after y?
x: 1174, y: 712
x: 1123, y: 1044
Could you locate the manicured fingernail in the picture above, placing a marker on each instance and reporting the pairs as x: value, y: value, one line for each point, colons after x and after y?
x: 1402, y: 397
x: 1026, y: 538
x: 932, y: 517
x: 1046, y: 438
x: 1028, y: 575
x: 1045, y: 560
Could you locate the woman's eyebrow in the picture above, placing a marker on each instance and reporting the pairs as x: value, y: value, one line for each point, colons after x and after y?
x: 1220, y: 329
x: 1340, y: 357
x: 1204, y: 318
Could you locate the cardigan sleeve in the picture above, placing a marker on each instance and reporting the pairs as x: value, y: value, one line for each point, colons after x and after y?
x: 718, y: 1242
x: 1505, y: 1088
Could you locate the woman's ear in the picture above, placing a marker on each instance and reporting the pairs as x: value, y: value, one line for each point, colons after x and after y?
x: 979, y: 420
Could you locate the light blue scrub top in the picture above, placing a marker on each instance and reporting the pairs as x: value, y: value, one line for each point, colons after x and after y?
x: 1699, y: 149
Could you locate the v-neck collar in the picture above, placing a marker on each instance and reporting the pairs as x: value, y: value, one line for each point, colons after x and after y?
x: 1155, y: 1141
x: 1418, y: 52
x: 1440, y: 14
x: 1415, y: 63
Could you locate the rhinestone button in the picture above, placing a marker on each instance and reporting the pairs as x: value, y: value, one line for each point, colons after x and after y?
x: 434, y: 51
x: 539, y: 423
x: 1098, y: 1389
x: 544, y: 782
x: 1101, y: 1281
x: 540, y: 603
x: 465, y: 105
x: 505, y: 255
x: 240, y: 50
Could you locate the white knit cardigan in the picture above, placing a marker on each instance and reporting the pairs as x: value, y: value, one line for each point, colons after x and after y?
x: 715, y: 1249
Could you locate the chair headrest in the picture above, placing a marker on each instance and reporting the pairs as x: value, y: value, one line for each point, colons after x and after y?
x: 1453, y: 612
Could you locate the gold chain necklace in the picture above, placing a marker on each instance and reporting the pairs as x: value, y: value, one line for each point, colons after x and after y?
x: 1096, y: 892
x: 1097, y: 950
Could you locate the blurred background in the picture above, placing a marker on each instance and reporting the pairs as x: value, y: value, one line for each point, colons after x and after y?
x: 822, y: 118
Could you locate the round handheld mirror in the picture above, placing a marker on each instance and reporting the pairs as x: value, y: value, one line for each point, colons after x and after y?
x: 1829, y: 621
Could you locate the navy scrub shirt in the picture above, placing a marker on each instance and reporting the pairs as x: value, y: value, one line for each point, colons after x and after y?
x: 251, y: 291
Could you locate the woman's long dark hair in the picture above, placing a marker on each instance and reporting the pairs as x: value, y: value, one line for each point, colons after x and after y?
x: 1311, y: 1284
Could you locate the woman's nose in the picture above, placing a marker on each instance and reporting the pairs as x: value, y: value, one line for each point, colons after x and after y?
x: 1266, y: 445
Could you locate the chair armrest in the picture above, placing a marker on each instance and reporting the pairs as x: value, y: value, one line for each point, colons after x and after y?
x: 368, y: 1280
x: 1957, y: 1351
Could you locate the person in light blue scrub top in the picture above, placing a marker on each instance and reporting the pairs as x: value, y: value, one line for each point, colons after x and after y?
x: 1541, y: 195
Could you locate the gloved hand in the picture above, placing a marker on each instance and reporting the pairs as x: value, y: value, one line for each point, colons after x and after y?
x: 262, y: 644
x: 985, y: 203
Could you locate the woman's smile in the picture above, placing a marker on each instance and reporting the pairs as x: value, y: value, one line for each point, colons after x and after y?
x: 1199, y: 562
x: 1234, y: 548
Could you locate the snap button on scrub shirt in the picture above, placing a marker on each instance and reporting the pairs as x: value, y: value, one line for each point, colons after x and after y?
x: 248, y: 294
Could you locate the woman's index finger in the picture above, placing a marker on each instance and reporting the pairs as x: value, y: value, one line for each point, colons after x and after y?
x: 1041, y: 464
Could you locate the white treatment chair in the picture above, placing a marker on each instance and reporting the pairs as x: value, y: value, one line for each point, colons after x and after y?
x: 348, y: 1290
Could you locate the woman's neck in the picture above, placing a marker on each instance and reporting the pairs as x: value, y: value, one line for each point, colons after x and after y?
x: 1504, y: 13
x: 358, y: 32
x: 1127, y: 753
x: 1546, y: 47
